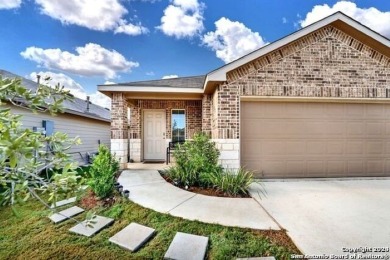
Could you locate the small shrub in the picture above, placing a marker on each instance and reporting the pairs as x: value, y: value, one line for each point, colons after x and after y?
x: 115, y: 212
x: 229, y: 181
x: 102, y: 173
x: 193, y: 158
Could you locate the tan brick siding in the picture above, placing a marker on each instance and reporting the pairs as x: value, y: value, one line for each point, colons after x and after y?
x: 206, y: 114
x: 119, y: 120
x: 193, y: 110
x: 325, y: 63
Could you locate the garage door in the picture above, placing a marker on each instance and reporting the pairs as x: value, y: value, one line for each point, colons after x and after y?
x: 280, y: 140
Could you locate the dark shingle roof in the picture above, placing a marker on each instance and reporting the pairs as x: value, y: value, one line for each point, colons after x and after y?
x: 182, y: 82
x: 77, y: 106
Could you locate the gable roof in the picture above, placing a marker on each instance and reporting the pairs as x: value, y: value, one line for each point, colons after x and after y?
x: 338, y: 19
x: 76, y: 107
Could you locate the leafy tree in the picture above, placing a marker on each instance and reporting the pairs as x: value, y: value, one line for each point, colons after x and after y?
x: 23, y: 152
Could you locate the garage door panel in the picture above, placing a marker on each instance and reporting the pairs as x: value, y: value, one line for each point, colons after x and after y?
x: 315, y: 139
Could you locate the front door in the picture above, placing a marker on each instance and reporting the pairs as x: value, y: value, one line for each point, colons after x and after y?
x: 154, y: 135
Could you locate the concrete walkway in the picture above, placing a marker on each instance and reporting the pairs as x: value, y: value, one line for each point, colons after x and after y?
x: 147, y: 188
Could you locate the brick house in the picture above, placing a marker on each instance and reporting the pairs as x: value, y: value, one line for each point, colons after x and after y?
x: 312, y: 104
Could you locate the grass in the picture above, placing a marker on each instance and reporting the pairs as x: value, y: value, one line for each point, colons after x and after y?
x: 30, y: 235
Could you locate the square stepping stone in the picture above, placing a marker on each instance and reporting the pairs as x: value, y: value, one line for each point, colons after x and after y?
x: 65, y: 214
x: 63, y: 202
x: 83, y: 229
x: 132, y: 237
x: 187, y: 247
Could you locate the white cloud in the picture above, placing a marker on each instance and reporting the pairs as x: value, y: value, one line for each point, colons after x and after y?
x: 150, y: 73
x: 284, y: 20
x: 95, y: 15
x: 170, y: 76
x: 10, y: 4
x: 183, y: 18
x: 232, y: 40
x: 74, y: 88
x: 58, y: 78
x: 90, y: 60
x: 371, y: 17
x: 107, y: 82
x: 100, y: 99
x: 130, y: 29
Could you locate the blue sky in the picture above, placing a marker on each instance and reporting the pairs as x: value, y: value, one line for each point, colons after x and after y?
x: 81, y: 44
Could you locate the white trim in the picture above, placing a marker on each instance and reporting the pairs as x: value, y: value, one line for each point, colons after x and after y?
x: 220, y: 74
x: 130, y: 88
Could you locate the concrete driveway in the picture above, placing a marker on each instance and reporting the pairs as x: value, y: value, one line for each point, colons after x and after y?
x: 323, y: 217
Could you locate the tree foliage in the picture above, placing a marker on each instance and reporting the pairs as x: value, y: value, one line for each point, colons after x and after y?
x: 24, y: 154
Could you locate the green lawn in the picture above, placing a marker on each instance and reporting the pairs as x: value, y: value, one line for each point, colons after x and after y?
x: 30, y: 235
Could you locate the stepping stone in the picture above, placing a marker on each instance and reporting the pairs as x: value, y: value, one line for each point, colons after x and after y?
x: 187, y: 247
x: 65, y: 214
x: 100, y: 223
x: 132, y: 237
x: 63, y: 202
x: 258, y: 258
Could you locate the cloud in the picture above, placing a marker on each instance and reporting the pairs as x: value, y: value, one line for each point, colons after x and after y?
x: 371, y: 17
x: 232, y: 40
x: 183, y: 19
x: 100, y: 99
x: 170, y: 76
x: 150, y: 73
x: 90, y: 60
x: 130, y: 29
x: 284, y: 20
x: 10, y: 4
x: 107, y: 82
x: 74, y: 88
x: 95, y: 15
x: 59, y: 78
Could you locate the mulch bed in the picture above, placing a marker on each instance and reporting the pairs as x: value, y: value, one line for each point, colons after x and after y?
x: 90, y: 200
x: 204, y: 191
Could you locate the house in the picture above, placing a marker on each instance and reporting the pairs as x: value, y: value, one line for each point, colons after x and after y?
x: 315, y: 103
x: 81, y: 118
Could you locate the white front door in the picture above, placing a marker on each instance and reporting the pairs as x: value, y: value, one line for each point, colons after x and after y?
x: 154, y: 135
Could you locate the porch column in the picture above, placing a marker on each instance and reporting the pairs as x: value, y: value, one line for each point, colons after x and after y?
x: 206, y: 114
x: 119, y: 128
x: 228, y: 125
x: 135, y: 132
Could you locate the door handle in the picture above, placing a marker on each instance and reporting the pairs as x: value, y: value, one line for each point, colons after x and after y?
x: 164, y: 135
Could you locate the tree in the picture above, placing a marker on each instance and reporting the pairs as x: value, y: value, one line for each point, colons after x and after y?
x: 23, y: 153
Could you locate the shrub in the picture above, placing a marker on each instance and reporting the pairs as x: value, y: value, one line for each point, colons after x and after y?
x: 229, y: 181
x: 193, y: 158
x: 102, y: 173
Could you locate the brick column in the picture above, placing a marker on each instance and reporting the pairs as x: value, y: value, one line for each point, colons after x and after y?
x: 135, y: 132
x: 228, y: 125
x: 206, y: 114
x: 119, y: 128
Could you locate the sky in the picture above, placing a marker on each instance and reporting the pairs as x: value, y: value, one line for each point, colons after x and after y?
x: 81, y: 44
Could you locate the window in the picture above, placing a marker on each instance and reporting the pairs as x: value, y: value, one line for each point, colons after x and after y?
x: 178, y: 125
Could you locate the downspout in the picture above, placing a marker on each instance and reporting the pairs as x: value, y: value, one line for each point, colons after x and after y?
x: 129, y: 160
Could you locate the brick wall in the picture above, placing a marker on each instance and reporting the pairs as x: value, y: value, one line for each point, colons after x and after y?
x: 325, y: 63
x: 206, y: 114
x: 119, y: 121
x: 193, y: 110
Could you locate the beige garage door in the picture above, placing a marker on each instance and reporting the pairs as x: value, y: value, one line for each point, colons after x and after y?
x: 284, y: 139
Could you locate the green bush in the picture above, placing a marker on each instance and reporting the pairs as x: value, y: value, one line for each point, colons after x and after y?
x: 193, y: 158
x: 102, y: 173
x: 229, y: 181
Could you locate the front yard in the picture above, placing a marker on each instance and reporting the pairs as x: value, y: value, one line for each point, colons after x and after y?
x: 29, y: 234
